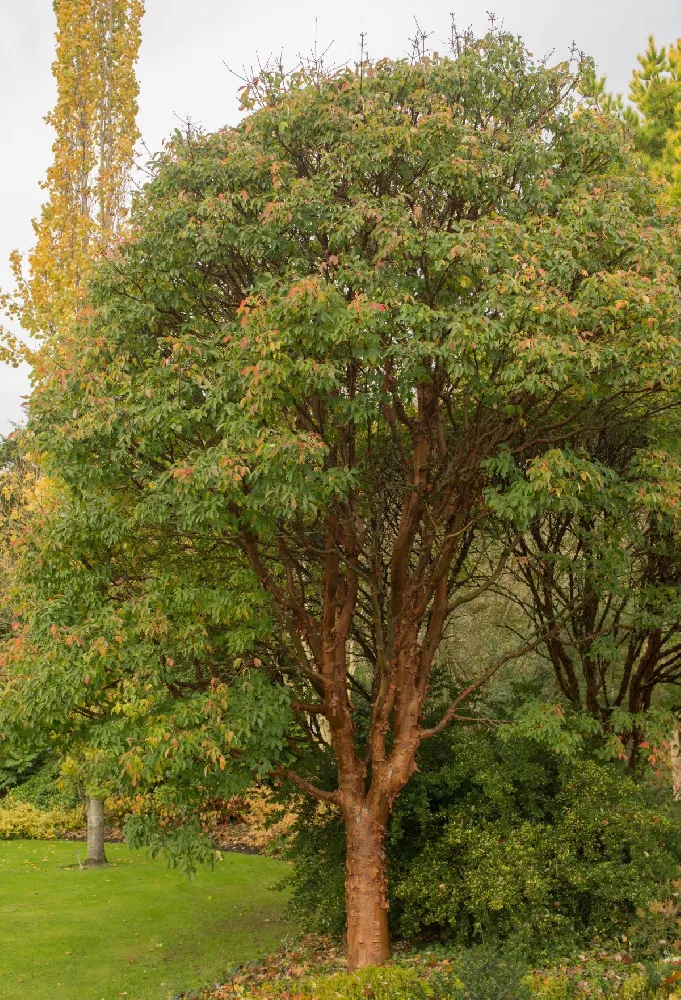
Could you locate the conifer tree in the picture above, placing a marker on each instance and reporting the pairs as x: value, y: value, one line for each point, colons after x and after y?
x: 655, y: 90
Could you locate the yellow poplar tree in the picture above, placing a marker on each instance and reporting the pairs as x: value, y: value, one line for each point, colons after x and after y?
x: 95, y: 124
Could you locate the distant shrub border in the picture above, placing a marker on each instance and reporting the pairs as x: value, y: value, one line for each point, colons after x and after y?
x: 37, y: 810
x: 23, y: 821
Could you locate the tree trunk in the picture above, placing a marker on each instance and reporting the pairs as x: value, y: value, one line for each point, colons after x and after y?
x: 95, y: 833
x: 366, y: 892
x: 675, y: 757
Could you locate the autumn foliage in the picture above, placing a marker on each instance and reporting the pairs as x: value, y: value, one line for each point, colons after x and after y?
x: 87, y: 183
x: 351, y: 353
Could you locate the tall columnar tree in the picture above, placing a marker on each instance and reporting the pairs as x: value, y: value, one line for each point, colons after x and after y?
x: 87, y: 183
x: 388, y: 308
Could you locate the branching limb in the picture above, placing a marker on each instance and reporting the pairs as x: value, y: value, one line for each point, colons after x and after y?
x: 473, y: 595
x: 307, y: 787
x: 496, y: 665
x: 308, y: 707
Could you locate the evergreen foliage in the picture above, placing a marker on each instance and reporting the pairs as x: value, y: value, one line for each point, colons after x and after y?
x: 656, y: 93
x: 498, y: 839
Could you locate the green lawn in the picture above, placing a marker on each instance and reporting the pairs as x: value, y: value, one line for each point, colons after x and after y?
x: 132, y: 929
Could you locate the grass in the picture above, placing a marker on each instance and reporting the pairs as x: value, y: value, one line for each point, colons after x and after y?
x: 133, y: 929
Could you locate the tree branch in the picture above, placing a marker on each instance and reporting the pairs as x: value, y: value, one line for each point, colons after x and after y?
x: 306, y: 786
x: 450, y: 714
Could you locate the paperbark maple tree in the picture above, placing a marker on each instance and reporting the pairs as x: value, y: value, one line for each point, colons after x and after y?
x: 388, y: 307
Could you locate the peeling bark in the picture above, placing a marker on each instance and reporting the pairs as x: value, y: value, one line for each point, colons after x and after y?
x: 366, y: 888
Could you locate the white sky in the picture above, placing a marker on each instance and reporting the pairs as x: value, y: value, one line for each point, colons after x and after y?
x: 182, y: 71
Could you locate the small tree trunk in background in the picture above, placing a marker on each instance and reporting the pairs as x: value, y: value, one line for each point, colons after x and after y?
x: 95, y: 833
x: 675, y: 754
x: 366, y: 892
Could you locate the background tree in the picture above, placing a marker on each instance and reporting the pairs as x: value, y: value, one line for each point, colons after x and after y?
x: 618, y: 568
x: 88, y: 181
x: 18, y: 483
x: 20, y: 498
x: 656, y: 93
x: 605, y: 563
x: 387, y: 309
x: 654, y: 115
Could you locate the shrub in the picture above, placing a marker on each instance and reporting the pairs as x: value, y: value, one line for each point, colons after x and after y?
x: 257, y: 820
x: 601, y: 982
x: 23, y: 821
x: 394, y: 983
x: 496, y: 840
x: 490, y: 974
x: 44, y: 789
x: 585, y: 871
x: 317, y: 878
x: 636, y: 988
x: 375, y: 983
x: 479, y: 974
x: 269, y: 822
x: 16, y: 764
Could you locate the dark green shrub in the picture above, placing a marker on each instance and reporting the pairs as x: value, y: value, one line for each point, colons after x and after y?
x: 17, y: 763
x: 498, y: 840
x: 317, y: 879
x: 42, y: 789
x: 583, y: 872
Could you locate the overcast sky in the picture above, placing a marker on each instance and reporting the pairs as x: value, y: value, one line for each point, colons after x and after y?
x: 182, y: 71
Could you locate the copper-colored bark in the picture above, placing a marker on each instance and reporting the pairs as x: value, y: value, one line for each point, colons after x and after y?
x: 366, y: 887
x: 387, y: 587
